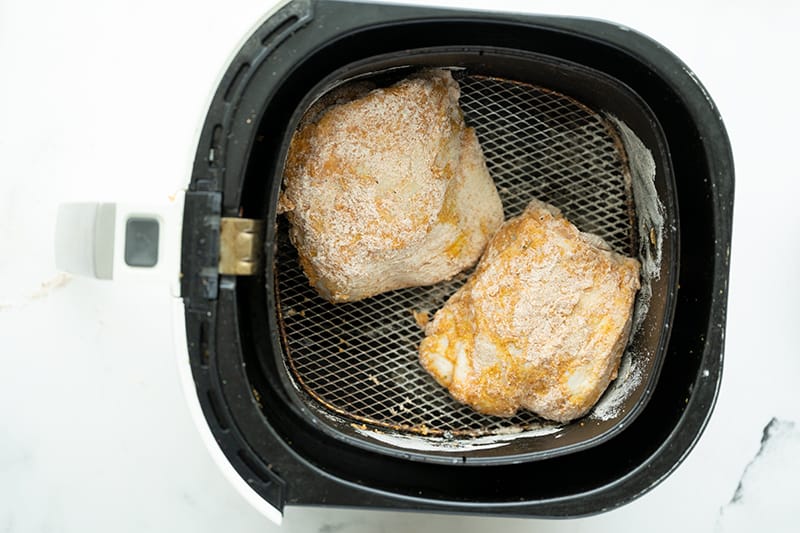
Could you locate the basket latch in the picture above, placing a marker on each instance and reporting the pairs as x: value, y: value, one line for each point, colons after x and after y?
x: 240, y: 246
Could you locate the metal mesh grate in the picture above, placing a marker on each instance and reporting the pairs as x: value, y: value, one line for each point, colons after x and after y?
x: 360, y: 359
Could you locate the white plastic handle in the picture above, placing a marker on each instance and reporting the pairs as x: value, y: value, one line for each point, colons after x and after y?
x: 120, y: 241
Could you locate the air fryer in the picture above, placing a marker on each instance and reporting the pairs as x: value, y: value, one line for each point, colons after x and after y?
x: 311, y: 403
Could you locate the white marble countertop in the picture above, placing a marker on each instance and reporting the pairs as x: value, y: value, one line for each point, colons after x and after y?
x: 101, y: 100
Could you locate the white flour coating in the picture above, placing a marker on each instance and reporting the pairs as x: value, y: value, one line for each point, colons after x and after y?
x: 650, y: 227
x: 387, y: 190
x: 540, y: 325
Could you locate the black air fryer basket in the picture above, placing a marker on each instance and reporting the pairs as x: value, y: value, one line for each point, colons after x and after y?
x: 315, y: 403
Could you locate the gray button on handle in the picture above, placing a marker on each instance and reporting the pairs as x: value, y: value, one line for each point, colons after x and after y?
x: 141, y: 242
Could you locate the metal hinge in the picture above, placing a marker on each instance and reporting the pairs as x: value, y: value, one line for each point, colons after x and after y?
x: 240, y: 244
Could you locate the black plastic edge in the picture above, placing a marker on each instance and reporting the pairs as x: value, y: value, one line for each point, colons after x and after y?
x: 209, y: 168
x: 200, y: 248
x: 204, y: 342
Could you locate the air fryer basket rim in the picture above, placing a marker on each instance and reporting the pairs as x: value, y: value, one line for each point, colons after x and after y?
x: 289, y: 462
x: 575, y: 436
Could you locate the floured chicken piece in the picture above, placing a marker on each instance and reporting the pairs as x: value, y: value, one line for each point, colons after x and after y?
x: 388, y: 190
x: 541, y: 324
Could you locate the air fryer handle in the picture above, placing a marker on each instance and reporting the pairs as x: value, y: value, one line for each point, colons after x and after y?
x: 120, y: 241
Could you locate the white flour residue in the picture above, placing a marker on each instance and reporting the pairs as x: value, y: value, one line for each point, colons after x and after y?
x: 439, y: 444
x: 650, y: 228
x: 629, y: 377
x: 649, y: 215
